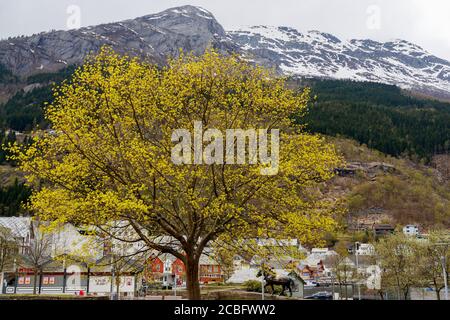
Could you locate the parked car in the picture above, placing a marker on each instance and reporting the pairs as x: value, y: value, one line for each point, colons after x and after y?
x: 310, y: 283
x: 320, y: 296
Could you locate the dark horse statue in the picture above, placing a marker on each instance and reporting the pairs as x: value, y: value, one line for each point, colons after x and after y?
x: 272, y: 280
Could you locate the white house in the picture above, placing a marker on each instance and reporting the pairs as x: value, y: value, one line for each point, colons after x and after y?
x: 365, y: 249
x: 67, y: 240
x: 61, y: 276
x: 101, y: 285
x: 411, y: 230
x: 317, y: 255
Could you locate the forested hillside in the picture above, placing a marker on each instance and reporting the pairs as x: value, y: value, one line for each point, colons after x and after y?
x: 24, y: 110
x: 12, y: 199
x: 381, y: 116
x: 379, y: 188
x: 6, y: 76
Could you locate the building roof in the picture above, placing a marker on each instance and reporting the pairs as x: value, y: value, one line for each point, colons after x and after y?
x: 19, y: 226
x: 383, y: 227
x: 207, y: 260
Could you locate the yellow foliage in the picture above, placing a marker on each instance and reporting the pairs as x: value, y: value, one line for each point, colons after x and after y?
x: 109, y: 157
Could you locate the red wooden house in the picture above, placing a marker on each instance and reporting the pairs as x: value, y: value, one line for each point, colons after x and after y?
x: 312, y: 272
x: 166, y: 268
x: 210, y: 270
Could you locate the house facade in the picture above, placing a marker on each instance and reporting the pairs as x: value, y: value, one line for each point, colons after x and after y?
x: 50, y: 263
x: 166, y: 269
x: 411, y: 230
x: 364, y: 249
x: 381, y: 230
x: 78, y: 279
x: 311, y: 272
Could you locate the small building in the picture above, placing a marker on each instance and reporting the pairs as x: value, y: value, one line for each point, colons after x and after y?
x: 311, y: 272
x: 210, y: 270
x: 166, y: 269
x: 298, y: 290
x: 380, y: 230
x: 74, y: 278
x: 364, y: 249
x: 411, y: 230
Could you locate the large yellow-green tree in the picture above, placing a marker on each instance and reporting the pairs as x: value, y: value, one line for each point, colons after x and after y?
x: 108, y: 157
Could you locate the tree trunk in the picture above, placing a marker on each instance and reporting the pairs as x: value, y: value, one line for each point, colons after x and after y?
x: 34, y: 280
x: 118, y: 286
x: 40, y: 281
x: 192, y: 279
x: 405, y: 293
x: 438, y: 293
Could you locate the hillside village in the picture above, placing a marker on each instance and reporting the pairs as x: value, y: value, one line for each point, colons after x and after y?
x: 77, y: 261
x: 74, y: 260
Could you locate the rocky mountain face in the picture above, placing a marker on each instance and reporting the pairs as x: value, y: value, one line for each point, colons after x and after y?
x: 155, y: 37
x: 309, y: 54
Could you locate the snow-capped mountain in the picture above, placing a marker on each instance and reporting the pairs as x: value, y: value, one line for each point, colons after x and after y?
x: 317, y: 54
x: 309, y: 54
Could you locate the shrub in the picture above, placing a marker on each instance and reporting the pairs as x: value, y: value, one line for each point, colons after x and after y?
x: 252, y: 286
x: 255, y: 286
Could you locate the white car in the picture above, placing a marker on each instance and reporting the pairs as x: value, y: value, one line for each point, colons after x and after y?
x: 310, y: 283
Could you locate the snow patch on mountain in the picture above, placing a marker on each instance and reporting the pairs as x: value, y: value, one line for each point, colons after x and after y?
x: 193, y: 29
x: 318, y: 54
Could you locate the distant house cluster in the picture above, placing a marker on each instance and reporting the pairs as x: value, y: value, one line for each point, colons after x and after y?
x: 71, y: 260
x: 54, y: 264
x: 74, y: 260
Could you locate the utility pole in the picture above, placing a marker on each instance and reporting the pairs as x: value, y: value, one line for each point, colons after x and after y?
x: 175, y: 285
x: 262, y: 279
x: 88, y: 279
x: 357, y: 269
x: 332, y: 284
x: 445, y: 276
x: 64, y: 276
x: 112, y: 276
x: 16, y: 278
